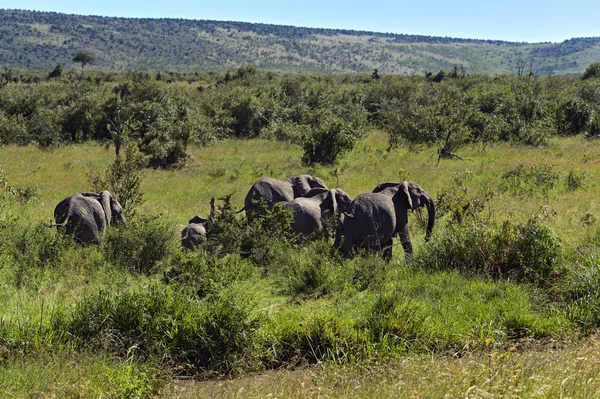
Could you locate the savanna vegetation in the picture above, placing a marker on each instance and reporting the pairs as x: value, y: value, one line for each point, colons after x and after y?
x: 509, y: 278
x: 40, y: 40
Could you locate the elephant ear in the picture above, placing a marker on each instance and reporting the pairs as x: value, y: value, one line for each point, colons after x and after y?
x: 105, y: 198
x: 198, y: 219
x: 301, y: 186
x: 343, y: 200
x: 404, y: 192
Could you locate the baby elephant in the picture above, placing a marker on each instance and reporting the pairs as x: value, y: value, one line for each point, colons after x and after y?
x: 194, y: 233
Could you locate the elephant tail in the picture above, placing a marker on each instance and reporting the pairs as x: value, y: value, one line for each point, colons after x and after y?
x: 241, y: 210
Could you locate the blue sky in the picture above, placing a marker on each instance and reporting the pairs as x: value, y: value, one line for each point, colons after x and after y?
x: 522, y: 21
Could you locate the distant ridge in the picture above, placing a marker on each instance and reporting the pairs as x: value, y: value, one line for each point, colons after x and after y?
x: 40, y: 40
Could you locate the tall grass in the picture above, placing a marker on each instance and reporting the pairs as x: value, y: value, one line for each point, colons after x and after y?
x: 256, y: 297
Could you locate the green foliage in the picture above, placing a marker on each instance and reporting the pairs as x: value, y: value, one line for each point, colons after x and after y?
x: 33, y: 249
x: 141, y: 245
x: 123, y: 178
x: 205, y: 275
x: 593, y: 71
x: 531, y: 180
x: 394, y: 321
x: 527, y: 251
x: 83, y: 58
x: 328, y: 142
x: 574, y: 117
x: 257, y: 239
x: 56, y: 72
x: 221, y: 336
x: 581, y: 290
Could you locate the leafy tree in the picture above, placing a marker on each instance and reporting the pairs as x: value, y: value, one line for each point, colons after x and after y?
x: 56, y: 72
x: 593, y: 71
x: 83, y: 58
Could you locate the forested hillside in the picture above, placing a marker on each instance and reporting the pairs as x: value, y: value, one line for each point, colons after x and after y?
x: 41, y: 40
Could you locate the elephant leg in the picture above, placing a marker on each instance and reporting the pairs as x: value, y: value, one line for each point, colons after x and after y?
x: 404, y: 235
x: 386, y: 250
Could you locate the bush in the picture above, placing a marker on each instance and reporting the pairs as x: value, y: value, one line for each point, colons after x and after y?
x: 141, y: 245
x: 220, y: 336
x: 593, y: 71
x: 526, y: 251
x: 204, y: 275
x: 123, y: 178
x: 35, y: 248
x: 328, y: 142
x: 574, y: 117
x: 581, y: 291
x: 257, y: 239
x: 394, y: 321
x: 530, y: 180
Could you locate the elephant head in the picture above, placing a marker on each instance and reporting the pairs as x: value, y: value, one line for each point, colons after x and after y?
x: 112, y: 209
x: 411, y: 196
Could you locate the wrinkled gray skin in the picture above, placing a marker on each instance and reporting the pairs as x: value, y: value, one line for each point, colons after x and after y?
x: 319, y: 203
x: 86, y: 215
x: 194, y: 233
x: 274, y: 190
x: 374, y: 218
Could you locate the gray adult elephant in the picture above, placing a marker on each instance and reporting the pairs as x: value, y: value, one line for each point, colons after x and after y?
x: 194, y: 233
x: 87, y: 215
x: 374, y: 218
x: 319, y: 203
x: 277, y: 190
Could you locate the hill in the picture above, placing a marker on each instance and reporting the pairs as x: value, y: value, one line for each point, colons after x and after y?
x: 40, y: 40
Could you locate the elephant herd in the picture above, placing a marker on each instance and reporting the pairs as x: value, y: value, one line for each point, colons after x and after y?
x: 369, y: 222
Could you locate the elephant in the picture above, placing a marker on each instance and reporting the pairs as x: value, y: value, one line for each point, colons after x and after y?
x: 274, y: 190
x: 86, y: 215
x: 374, y: 218
x: 194, y: 233
x: 319, y: 203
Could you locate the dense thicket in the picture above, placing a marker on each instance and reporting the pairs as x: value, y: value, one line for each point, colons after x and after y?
x: 325, y: 113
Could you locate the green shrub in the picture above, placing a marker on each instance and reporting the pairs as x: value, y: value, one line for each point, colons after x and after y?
x: 581, y: 291
x: 328, y: 142
x: 257, y: 239
x: 205, y: 275
x: 219, y: 336
x: 593, y: 71
x: 524, y: 251
x: 394, y: 321
x: 34, y: 248
x: 574, y: 117
x: 530, y: 180
x: 141, y: 245
x: 123, y: 178
x: 313, y: 271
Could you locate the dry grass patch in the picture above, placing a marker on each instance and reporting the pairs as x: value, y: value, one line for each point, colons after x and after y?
x: 551, y: 371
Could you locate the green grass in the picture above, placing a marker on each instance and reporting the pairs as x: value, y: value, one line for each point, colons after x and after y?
x: 364, y: 318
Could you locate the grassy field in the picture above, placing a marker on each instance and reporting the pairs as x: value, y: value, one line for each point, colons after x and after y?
x: 443, y: 332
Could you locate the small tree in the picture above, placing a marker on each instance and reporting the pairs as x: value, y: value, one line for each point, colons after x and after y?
x: 84, y: 59
x: 593, y: 71
x: 56, y: 72
x: 123, y: 178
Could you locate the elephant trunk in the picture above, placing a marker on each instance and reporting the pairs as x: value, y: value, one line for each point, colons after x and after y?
x: 431, y: 216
